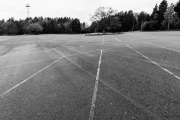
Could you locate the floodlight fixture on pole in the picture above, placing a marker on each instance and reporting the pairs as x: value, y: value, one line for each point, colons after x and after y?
x: 28, y: 14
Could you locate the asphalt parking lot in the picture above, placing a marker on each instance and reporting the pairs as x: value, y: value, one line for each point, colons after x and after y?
x: 132, y: 76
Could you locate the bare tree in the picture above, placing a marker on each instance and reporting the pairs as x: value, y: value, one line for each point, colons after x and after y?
x: 102, y: 13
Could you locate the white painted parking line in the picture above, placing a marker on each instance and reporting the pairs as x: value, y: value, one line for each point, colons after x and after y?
x: 49, y: 59
x: 132, y: 101
x: 154, y: 62
x: 88, y: 49
x: 83, y: 44
x: 118, y: 40
x: 171, y: 73
x: 76, y: 64
x: 103, y: 40
x: 91, y: 115
x: 29, y: 78
x: 125, y: 96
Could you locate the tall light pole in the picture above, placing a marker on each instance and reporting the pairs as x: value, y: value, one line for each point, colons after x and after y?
x: 28, y: 15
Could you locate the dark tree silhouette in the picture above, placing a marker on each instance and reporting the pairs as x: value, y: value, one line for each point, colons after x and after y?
x: 177, y: 8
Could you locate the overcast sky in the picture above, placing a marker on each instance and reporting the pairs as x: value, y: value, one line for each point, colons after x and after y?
x: 71, y: 8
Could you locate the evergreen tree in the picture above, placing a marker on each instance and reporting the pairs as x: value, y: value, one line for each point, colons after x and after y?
x: 143, y: 17
x: 121, y: 15
x: 45, y: 30
x: 75, y: 26
x: 94, y: 27
x: 155, y: 12
x: 162, y: 9
x: 130, y: 19
x: 115, y: 25
x: 177, y: 8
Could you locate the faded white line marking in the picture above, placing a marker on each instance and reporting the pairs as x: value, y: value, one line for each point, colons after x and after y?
x: 86, y: 42
x: 170, y: 42
x: 126, y: 97
x: 83, y: 44
x: 74, y: 62
x: 157, y: 39
x: 29, y: 78
x: 117, y: 40
x: 103, y: 40
x: 132, y: 101
x: 91, y: 115
x: 159, y: 46
x: 96, y: 83
x: 86, y: 52
x: 162, y: 47
x: 155, y: 63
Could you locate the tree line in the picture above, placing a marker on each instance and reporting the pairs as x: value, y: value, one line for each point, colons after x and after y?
x: 163, y: 17
x: 40, y: 25
x: 105, y: 19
